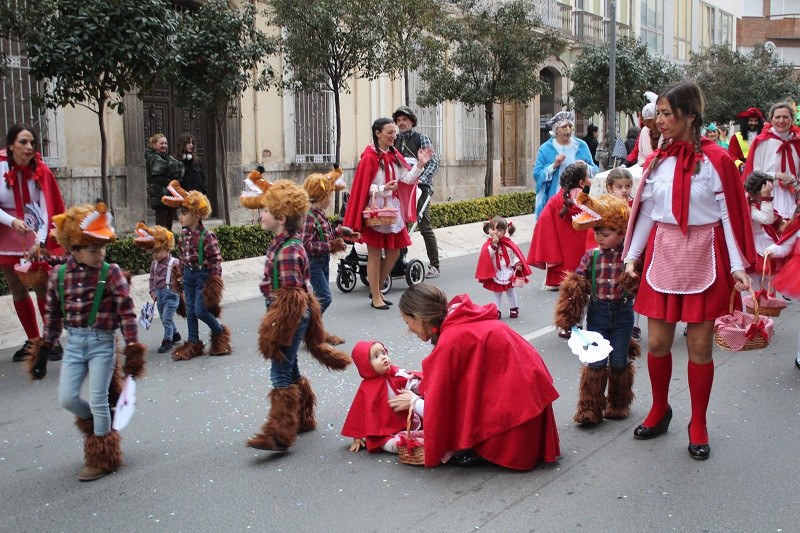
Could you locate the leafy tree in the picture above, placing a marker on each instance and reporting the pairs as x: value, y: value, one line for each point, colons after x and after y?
x: 219, y: 54
x: 733, y: 81
x: 326, y: 43
x: 637, y: 71
x: 495, y: 56
x: 93, y: 52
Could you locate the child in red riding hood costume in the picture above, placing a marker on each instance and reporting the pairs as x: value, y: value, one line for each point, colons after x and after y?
x: 501, y: 265
x: 370, y: 421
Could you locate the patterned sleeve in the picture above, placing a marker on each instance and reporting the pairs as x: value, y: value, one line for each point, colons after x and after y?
x: 433, y: 165
x: 585, y: 268
x: 310, y: 237
x: 123, y: 303
x: 292, y: 265
x: 212, y: 253
x: 53, y: 320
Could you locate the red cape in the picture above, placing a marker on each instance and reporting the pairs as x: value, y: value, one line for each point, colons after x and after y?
x: 765, y: 134
x: 370, y: 416
x: 359, y: 193
x: 555, y: 241
x: 735, y: 200
x: 52, y: 195
x: 486, y: 269
x: 735, y: 151
x: 482, y: 382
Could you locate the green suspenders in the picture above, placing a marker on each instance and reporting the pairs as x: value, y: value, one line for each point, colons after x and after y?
x: 275, y: 283
x: 201, y: 245
x: 318, y: 225
x: 98, y: 294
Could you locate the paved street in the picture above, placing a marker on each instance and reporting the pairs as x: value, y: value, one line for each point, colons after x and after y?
x: 187, y: 469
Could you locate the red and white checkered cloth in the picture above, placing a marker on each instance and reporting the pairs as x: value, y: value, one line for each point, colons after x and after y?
x: 737, y: 328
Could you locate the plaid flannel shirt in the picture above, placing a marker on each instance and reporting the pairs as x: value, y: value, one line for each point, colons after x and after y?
x: 187, y: 246
x: 609, y: 266
x: 80, y: 284
x: 293, y: 269
x: 426, y: 178
x: 310, y: 233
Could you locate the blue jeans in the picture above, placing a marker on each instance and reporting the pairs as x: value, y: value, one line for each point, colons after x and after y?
x: 284, y: 373
x: 613, y: 320
x: 320, y: 276
x: 89, y: 351
x: 194, y: 279
x: 167, y: 303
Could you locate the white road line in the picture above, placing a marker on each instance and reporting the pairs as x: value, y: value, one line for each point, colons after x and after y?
x: 539, y: 332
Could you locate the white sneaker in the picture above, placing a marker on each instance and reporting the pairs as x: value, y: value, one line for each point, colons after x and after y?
x: 433, y: 272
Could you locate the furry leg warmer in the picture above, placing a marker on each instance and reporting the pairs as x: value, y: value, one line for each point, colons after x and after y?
x: 620, y: 392
x: 103, y: 455
x: 212, y: 295
x: 188, y: 350
x: 221, y: 342
x: 591, y: 396
x: 308, y: 401
x: 280, y: 430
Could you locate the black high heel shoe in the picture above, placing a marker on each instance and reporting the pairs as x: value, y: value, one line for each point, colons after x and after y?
x: 697, y: 451
x: 646, y: 432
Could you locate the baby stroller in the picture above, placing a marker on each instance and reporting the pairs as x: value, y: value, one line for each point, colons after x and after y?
x: 354, y: 266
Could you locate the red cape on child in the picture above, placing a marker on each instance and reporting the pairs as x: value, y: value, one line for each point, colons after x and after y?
x: 497, y: 402
x: 787, y: 281
x: 370, y: 416
x: 486, y: 268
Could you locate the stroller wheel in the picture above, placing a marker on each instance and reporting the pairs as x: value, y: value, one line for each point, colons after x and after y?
x: 346, y: 280
x: 415, y: 272
x: 362, y: 273
x: 387, y: 285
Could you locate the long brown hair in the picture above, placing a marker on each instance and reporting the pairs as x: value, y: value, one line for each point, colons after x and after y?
x: 11, y: 137
x: 180, y: 148
x: 427, y: 303
x: 570, y: 179
x: 684, y: 98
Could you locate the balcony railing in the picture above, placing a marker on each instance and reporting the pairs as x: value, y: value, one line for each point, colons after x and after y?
x: 564, y: 19
x: 548, y: 10
x: 589, y: 27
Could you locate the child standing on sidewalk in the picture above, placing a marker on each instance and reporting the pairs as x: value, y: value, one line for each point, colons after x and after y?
x: 597, y: 286
x: 500, y: 265
x: 91, y: 299
x: 293, y: 314
x: 164, y: 276
x: 319, y: 240
x: 202, y: 273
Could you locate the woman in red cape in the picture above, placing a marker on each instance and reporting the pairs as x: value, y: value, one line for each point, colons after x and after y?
x: 487, y: 394
x: 690, y: 226
x: 26, y: 182
x: 385, y: 176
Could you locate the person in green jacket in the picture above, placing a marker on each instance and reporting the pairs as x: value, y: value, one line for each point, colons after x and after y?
x: 161, y: 169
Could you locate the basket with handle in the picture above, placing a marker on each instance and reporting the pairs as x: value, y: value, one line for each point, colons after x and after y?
x: 768, y: 303
x: 738, y: 331
x: 35, y: 273
x: 410, y: 450
x: 379, y: 216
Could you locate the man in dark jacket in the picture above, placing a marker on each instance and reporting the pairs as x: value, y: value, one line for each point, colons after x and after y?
x: 591, y: 140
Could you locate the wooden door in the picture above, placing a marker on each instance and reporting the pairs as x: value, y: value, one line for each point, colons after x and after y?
x: 508, y: 145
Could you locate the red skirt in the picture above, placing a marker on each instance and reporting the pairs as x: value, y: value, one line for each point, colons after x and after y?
x: 493, y: 286
x: 9, y: 259
x: 700, y: 307
x: 526, y: 445
x: 386, y: 241
x: 787, y: 281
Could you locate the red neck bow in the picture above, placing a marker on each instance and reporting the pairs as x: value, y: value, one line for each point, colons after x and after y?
x: 682, y: 179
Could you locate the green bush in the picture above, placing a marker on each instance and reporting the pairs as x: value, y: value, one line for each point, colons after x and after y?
x: 239, y: 242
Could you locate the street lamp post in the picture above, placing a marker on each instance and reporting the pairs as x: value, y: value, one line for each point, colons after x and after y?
x: 612, y: 74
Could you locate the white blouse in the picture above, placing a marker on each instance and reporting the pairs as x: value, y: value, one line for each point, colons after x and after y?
x: 765, y: 215
x: 706, y: 206
x: 767, y: 159
x: 8, y: 204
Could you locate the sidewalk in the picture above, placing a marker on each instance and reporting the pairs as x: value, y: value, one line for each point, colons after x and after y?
x: 241, y: 276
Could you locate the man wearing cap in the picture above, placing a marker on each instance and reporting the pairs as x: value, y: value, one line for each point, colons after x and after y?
x: 752, y: 122
x: 408, y: 142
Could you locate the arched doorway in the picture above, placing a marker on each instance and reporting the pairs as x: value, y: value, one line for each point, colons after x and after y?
x: 549, y: 100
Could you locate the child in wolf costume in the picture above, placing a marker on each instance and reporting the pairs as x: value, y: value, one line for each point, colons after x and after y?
x: 601, y: 286
x: 293, y: 313
x: 91, y: 299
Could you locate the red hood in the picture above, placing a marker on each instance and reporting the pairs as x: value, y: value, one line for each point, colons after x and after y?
x: 462, y: 310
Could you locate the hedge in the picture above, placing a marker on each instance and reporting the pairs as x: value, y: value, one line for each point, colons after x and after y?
x: 239, y: 242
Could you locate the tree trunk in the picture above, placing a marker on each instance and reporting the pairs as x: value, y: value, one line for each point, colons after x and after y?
x: 337, y: 105
x: 104, y: 156
x: 488, y: 109
x: 222, y: 165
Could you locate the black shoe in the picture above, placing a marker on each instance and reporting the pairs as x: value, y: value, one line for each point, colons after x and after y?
x: 645, y: 432
x: 698, y: 451
x: 22, y: 353
x: 467, y: 458
x: 176, y: 337
x: 383, y: 307
x: 166, y: 346
x: 56, y: 352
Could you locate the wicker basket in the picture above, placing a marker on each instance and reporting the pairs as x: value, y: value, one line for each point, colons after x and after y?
x: 758, y: 341
x: 768, y: 303
x: 379, y: 216
x: 416, y: 456
x: 36, y: 275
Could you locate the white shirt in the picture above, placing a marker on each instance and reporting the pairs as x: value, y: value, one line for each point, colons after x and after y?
x: 8, y: 204
x: 767, y: 159
x: 759, y: 217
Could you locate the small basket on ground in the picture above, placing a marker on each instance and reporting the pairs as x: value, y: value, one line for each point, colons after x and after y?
x: 410, y: 450
x: 35, y: 273
x: 738, y: 331
x: 379, y: 216
x: 769, y: 304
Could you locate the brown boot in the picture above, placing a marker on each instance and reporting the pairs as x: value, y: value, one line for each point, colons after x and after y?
x: 591, y: 396
x: 103, y: 456
x: 308, y: 401
x: 187, y: 350
x: 221, y: 342
x: 280, y: 430
x: 333, y: 340
x: 620, y: 392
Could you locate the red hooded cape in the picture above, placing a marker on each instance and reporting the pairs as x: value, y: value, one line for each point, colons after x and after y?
x: 359, y: 193
x: 735, y: 200
x: 52, y: 194
x: 486, y: 269
x: 487, y: 388
x: 555, y: 242
x: 792, y: 144
x: 370, y: 416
